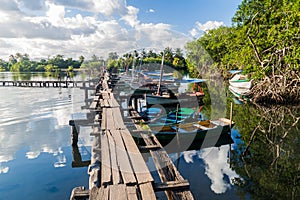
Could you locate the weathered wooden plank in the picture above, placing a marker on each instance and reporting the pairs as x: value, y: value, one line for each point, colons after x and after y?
x: 101, y: 101
x: 131, y: 193
x: 104, y: 119
x: 106, y: 173
x: 172, y: 185
x: 113, y: 102
x: 96, y: 150
x: 110, y: 124
x: 139, y: 166
x: 105, y: 95
x: 166, y: 169
x: 106, y: 104
x: 93, y: 105
x: 117, y: 192
x: 100, y: 194
x: 113, y: 159
x: 149, y: 147
x: 79, y: 192
x: 123, y: 159
x: 105, y: 194
x: 147, y: 191
x: 94, y: 177
x: 94, y: 192
x: 119, y: 123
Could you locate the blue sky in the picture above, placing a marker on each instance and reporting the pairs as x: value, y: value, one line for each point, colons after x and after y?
x: 45, y: 28
x: 183, y: 14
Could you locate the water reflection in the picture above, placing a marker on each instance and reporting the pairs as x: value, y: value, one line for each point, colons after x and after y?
x: 216, y: 167
x: 268, y: 162
x: 35, y: 121
x: 35, y: 142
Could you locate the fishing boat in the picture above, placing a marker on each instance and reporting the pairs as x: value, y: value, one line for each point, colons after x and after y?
x: 156, y: 74
x: 153, y: 99
x: 241, y: 81
x: 154, y: 117
x: 194, y: 130
x: 240, y: 93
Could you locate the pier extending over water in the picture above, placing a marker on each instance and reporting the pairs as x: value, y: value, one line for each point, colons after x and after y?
x: 117, y: 168
x: 34, y: 83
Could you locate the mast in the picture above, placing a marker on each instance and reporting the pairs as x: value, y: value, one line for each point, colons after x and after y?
x: 161, y: 73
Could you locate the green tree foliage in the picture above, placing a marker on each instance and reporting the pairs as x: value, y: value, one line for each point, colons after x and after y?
x: 272, y: 30
x: 135, y: 59
x: 62, y: 63
x: 81, y: 59
x: 264, y: 39
x: 4, y: 66
x: 50, y: 68
x: 22, y: 63
x: 198, y: 60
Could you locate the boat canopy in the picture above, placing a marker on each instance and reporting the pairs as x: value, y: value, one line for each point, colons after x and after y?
x: 192, y: 80
x: 235, y: 71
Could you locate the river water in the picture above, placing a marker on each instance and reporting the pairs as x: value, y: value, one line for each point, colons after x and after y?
x: 36, y: 153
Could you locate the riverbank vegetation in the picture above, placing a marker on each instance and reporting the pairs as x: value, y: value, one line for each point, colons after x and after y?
x: 172, y: 57
x: 22, y: 63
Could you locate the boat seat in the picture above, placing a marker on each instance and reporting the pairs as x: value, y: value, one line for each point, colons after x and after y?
x: 201, y: 127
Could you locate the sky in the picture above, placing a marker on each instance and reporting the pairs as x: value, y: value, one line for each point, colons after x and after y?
x: 45, y: 28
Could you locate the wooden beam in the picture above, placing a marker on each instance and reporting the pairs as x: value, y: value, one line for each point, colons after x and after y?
x: 149, y: 147
x: 117, y: 192
x: 106, y: 173
x: 123, y: 159
x: 79, y: 193
x: 110, y: 122
x: 147, y: 191
x: 172, y: 185
x: 113, y: 159
x: 139, y: 166
x: 131, y: 193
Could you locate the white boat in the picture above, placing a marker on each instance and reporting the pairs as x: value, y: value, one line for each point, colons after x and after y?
x: 240, y: 93
x: 240, y: 81
x: 157, y: 74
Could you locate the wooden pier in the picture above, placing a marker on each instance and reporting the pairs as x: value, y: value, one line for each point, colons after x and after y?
x: 30, y: 83
x: 117, y: 169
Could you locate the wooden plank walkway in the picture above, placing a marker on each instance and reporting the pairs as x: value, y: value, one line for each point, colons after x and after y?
x: 117, y: 169
x: 175, y: 185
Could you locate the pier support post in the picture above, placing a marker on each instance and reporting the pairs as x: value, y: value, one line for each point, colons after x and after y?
x: 135, y: 102
x: 75, y: 129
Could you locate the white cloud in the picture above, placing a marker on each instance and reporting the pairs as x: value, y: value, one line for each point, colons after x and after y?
x: 151, y: 11
x: 131, y: 17
x: 208, y: 25
x: 200, y: 28
x: 79, y: 27
x: 108, y: 7
x: 55, y: 14
x: 194, y: 32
